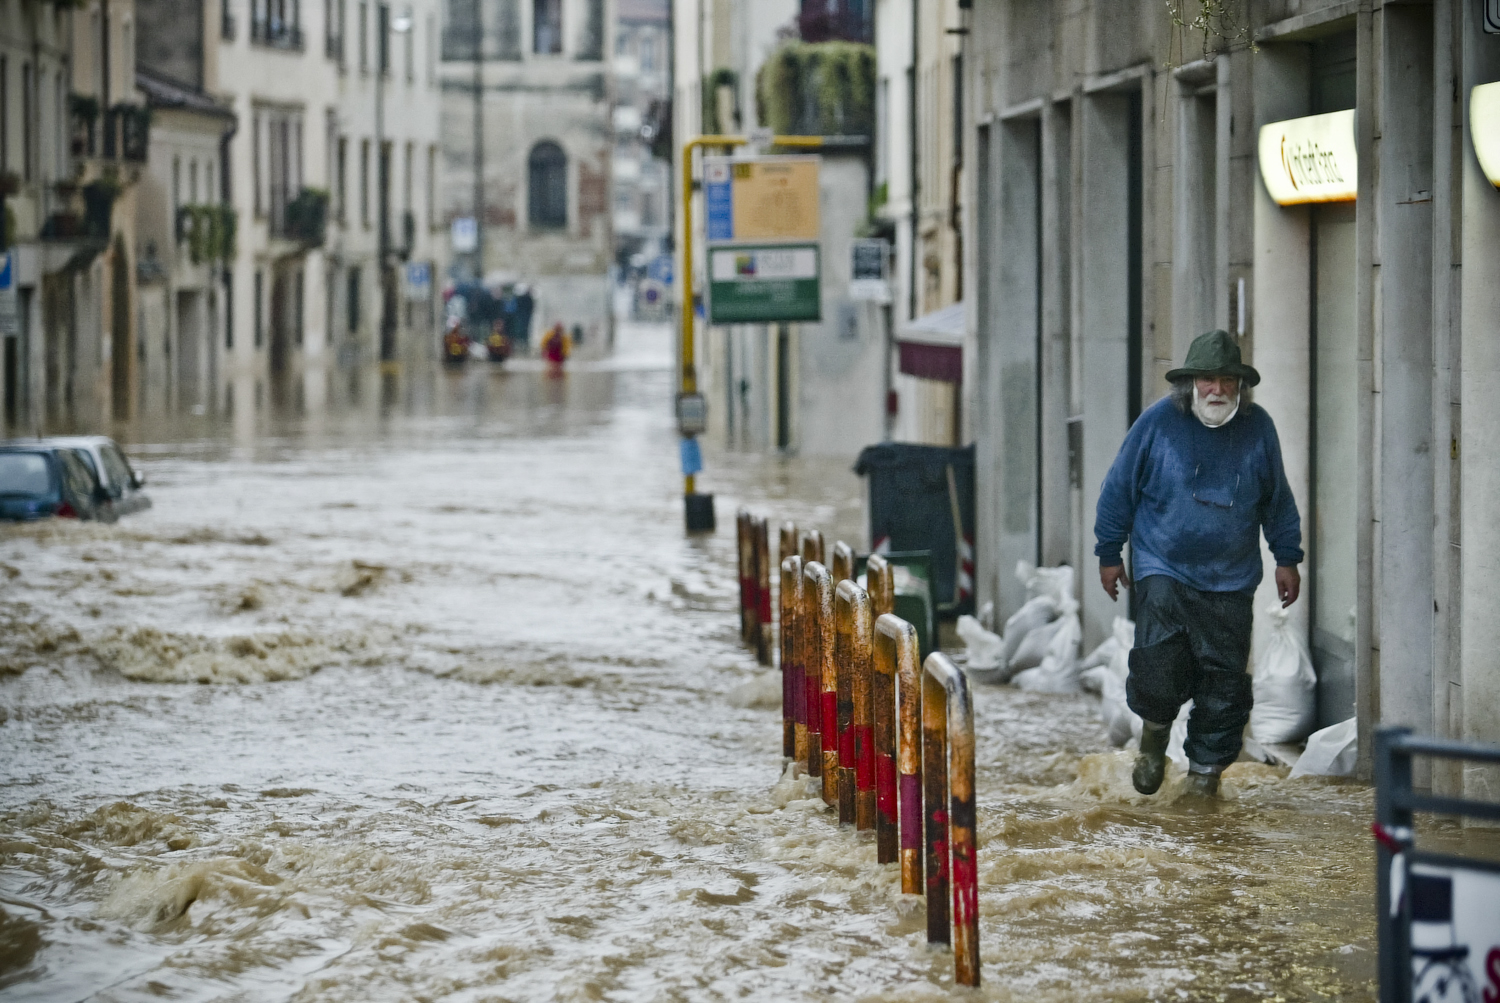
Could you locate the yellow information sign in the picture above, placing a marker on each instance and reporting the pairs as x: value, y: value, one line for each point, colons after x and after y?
x: 762, y: 198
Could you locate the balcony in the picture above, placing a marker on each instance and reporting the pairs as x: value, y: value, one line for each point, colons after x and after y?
x: 303, y: 219
x: 125, y: 134
x: 274, y: 33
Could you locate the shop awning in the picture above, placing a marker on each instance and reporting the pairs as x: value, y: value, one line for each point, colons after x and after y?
x: 932, y: 346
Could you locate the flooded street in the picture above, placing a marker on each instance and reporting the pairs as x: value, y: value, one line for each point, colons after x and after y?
x: 431, y: 699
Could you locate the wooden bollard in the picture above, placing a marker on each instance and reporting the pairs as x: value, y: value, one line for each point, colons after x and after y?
x: 880, y: 582
x: 895, y: 655
x: 851, y: 614
x: 788, y: 543
x: 746, y: 555
x: 842, y: 566
x: 861, y: 659
x: 761, y: 545
x: 793, y: 718
x: 822, y: 670
x: 810, y: 660
x: 909, y: 769
x: 812, y: 547
x: 948, y: 787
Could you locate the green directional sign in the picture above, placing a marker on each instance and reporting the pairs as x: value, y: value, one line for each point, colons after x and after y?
x: 764, y: 283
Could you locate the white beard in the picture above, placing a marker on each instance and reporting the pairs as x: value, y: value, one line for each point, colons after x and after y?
x: 1217, y: 411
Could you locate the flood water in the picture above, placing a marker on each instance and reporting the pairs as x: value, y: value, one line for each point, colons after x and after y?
x: 429, y: 698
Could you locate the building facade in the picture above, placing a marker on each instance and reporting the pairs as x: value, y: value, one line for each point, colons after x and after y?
x: 1124, y: 199
x: 527, y: 137
x: 642, y: 177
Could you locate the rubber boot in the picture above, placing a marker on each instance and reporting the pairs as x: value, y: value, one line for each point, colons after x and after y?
x: 1151, y: 764
x: 1201, y: 783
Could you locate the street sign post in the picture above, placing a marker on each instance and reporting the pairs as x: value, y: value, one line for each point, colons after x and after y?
x: 763, y: 226
x: 465, y: 235
x: 764, y: 283
x: 1437, y: 915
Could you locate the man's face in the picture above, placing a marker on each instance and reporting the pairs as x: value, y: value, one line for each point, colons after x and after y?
x: 1218, y: 396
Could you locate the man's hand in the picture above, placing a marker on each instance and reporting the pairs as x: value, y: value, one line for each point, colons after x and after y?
x: 1111, y: 578
x: 1288, y: 584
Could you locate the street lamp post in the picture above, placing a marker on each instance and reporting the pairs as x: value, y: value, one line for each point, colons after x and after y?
x: 384, y: 26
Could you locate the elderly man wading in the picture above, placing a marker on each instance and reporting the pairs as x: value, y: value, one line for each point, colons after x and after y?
x: 1198, y: 478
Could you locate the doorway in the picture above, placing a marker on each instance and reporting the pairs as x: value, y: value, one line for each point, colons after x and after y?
x: 1334, y: 414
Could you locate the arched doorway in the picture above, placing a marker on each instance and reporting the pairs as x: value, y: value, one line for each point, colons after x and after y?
x: 547, y: 186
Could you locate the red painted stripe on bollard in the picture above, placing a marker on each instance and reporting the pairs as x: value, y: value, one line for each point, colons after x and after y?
x: 847, y: 751
x: 811, y: 701
x: 965, y: 887
x: 831, y: 715
x: 885, y: 787
x: 765, y: 605
x: 911, y: 811
x: 747, y: 588
x: 864, y: 757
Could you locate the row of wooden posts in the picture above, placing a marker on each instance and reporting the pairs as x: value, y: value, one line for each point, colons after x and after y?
x: 887, y: 734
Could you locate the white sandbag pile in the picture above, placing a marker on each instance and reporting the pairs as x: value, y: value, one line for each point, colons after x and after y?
x: 1104, y: 672
x: 1039, y: 649
x: 1330, y: 752
x: 1284, y: 683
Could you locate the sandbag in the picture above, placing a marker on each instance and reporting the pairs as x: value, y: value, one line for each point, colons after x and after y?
x: 1120, y: 722
x: 1033, y: 647
x: 1035, y: 613
x: 1330, y: 752
x: 1099, y: 657
x: 1055, y: 582
x: 984, y: 649
x: 1285, y: 685
x: 1058, y: 670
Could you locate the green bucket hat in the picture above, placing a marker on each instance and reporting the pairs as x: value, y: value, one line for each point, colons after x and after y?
x: 1215, y: 354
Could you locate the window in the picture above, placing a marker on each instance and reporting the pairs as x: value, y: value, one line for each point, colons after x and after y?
x: 333, y: 30
x: 26, y: 123
x: 193, y: 181
x: 176, y: 186
x: 298, y: 289
x: 61, y: 148
x: 547, y: 26
x: 226, y: 28
x: 409, y: 40
x: 648, y: 53
x: 364, y: 182
x: 364, y: 37
x: 228, y: 308
x: 4, y: 114
x: 276, y: 23
x: 277, y: 134
x: 383, y: 39
x: 260, y: 279
x: 255, y: 164
x: 547, y: 184
x: 351, y: 301
x: 210, y: 194
x: 341, y: 179
x: 432, y: 186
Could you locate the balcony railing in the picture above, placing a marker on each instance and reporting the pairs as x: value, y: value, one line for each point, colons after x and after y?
x: 127, y: 130
x: 276, y: 34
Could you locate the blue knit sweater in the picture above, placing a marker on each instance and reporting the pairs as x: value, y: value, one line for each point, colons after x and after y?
x: 1192, y: 500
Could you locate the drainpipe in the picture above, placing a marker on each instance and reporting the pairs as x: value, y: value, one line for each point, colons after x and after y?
x: 911, y: 143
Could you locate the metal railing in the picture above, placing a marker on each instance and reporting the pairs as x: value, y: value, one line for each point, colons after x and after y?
x: 1438, y: 891
x: 890, y: 739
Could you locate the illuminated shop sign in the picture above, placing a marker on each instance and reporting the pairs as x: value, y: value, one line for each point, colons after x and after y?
x: 1484, y: 126
x: 1313, y: 159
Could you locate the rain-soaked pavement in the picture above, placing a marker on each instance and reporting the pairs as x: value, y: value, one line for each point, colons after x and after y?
x: 432, y: 700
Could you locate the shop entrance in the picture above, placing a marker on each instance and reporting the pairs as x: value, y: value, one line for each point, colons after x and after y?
x: 1333, y: 411
x: 1335, y: 441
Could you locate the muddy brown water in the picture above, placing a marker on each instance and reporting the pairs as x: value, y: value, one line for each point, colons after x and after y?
x: 420, y: 693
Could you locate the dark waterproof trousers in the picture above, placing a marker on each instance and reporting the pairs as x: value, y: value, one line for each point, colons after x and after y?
x: 1192, y: 645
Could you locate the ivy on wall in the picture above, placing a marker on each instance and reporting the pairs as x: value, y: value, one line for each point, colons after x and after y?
x: 818, y: 89
x: 722, y: 77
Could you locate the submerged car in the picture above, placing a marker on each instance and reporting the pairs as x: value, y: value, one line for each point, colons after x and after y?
x: 42, y: 480
x: 110, y: 468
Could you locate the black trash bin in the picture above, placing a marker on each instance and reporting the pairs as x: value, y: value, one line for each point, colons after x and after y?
x: 914, y: 490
